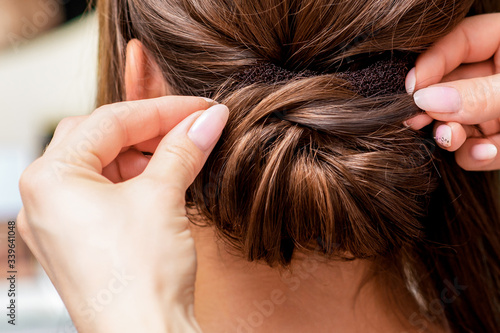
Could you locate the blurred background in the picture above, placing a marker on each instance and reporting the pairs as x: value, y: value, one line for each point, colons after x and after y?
x: 48, y: 63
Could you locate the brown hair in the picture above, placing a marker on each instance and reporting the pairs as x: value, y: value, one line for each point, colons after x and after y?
x: 308, y: 162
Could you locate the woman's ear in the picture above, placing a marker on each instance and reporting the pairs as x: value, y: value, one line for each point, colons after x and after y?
x: 143, y: 77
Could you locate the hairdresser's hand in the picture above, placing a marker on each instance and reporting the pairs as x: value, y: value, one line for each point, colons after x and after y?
x: 120, y: 253
x: 466, y: 63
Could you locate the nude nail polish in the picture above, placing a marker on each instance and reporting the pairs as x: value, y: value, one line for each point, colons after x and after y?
x: 484, y: 151
x: 208, y: 127
x: 438, y: 99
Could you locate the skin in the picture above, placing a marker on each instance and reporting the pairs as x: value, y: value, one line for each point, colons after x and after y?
x: 76, y: 223
x: 142, y: 254
x: 468, y: 59
x: 317, y: 295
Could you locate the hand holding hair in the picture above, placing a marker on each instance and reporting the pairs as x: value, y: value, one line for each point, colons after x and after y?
x: 87, y: 212
x: 457, y: 82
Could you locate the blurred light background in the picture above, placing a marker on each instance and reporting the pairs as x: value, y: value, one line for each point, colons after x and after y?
x: 48, y: 62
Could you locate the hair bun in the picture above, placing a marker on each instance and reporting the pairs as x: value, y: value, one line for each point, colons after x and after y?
x: 304, y: 162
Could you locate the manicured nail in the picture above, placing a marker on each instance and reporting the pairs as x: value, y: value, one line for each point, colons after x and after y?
x: 438, y: 99
x: 443, y: 136
x: 410, y: 82
x: 484, y: 151
x: 207, y: 128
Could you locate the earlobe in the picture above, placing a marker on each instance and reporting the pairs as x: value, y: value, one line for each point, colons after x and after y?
x: 143, y: 77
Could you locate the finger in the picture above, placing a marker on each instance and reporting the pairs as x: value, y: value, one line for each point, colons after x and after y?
x: 470, y: 71
x: 64, y: 127
x: 127, y: 165
x: 182, y: 153
x: 149, y: 146
x: 451, y: 136
x: 490, y: 127
x: 470, y: 101
x: 479, y: 154
x: 98, y: 140
x: 475, y: 39
x: 418, y: 122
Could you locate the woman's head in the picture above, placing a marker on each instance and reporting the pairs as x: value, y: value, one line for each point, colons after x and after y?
x: 336, y: 167
x: 310, y: 162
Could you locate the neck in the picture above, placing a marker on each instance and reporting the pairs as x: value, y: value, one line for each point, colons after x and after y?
x: 234, y: 295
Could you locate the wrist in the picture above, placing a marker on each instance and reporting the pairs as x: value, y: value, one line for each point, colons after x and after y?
x: 133, y: 308
x: 181, y: 319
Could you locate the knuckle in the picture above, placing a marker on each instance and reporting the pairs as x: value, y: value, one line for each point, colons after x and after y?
x: 185, y: 157
x: 35, y: 178
x: 23, y: 228
x: 65, y: 123
x: 69, y: 122
x: 478, y: 94
x: 124, y: 109
x: 101, y: 109
x: 27, y: 178
x: 118, y: 111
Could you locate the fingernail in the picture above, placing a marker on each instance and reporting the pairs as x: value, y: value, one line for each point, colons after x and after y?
x: 438, y: 99
x: 484, y: 151
x: 410, y: 81
x: 207, y: 128
x: 443, y: 136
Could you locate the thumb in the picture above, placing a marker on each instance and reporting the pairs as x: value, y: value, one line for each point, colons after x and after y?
x: 470, y: 101
x: 184, y: 150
